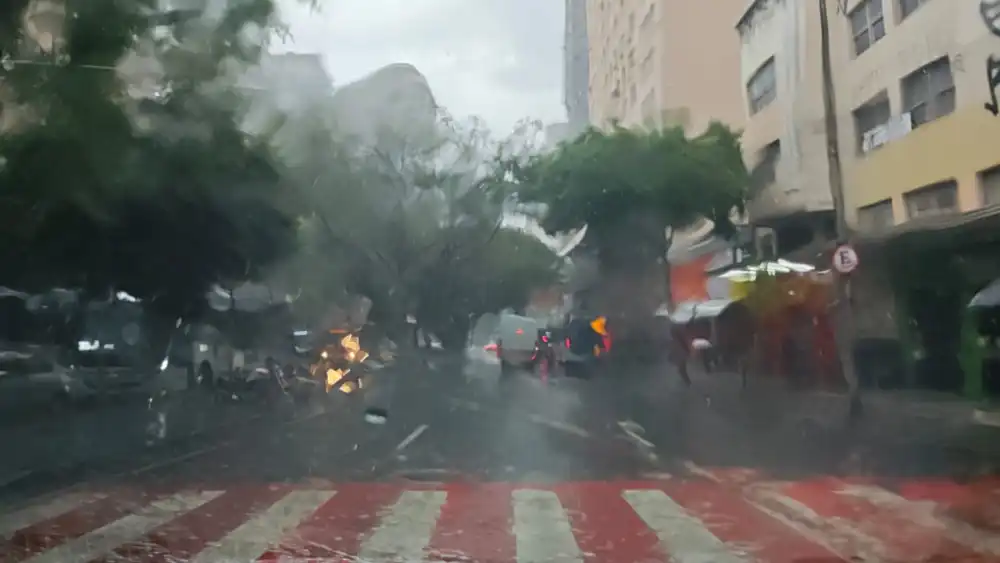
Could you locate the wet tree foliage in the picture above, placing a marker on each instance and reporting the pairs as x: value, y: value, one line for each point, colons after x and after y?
x: 411, y: 223
x: 629, y: 185
x: 121, y: 165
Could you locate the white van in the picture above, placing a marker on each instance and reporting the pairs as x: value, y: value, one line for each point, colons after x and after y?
x: 515, y: 337
x: 507, y: 339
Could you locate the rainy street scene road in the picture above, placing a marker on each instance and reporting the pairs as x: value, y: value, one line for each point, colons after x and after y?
x: 437, y: 465
x: 499, y: 281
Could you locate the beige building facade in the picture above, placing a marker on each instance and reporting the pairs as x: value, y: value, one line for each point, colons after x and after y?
x: 664, y: 62
x: 785, y: 138
x: 916, y: 138
x: 910, y: 80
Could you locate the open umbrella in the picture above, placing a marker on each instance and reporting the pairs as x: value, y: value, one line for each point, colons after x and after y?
x: 989, y: 296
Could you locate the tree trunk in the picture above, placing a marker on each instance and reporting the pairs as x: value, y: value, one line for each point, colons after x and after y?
x: 632, y: 264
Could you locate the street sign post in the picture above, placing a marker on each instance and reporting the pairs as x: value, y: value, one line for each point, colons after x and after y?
x: 845, y: 259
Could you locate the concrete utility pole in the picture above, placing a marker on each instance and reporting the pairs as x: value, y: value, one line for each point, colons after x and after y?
x: 844, y: 310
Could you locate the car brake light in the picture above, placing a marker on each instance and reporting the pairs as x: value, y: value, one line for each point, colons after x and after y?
x: 545, y: 338
x: 519, y: 331
x: 491, y: 347
x: 567, y: 343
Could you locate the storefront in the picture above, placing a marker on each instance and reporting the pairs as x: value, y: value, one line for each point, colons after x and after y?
x: 794, y: 332
x: 934, y: 268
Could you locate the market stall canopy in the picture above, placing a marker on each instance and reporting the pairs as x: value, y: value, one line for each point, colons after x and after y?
x: 693, y: 310
x: 989, y: 296
x: 780, y: 266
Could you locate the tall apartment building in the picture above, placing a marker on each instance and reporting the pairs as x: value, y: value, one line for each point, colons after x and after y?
x: 911, y: 78
x: 784, y: 140
x: 910, y: 85
x: 915, y: 83
x: 664, y: 62
x: 576, y: 66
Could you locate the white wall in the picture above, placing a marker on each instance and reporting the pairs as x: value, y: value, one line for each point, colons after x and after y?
x: 788, y: 30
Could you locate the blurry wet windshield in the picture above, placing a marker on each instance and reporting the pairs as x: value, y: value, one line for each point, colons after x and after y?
x: 499, y: 281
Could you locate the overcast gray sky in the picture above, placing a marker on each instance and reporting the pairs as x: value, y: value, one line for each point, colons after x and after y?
x: 498, y: 59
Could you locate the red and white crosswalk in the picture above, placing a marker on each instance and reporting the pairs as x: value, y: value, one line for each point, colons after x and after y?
x: 683, y: 521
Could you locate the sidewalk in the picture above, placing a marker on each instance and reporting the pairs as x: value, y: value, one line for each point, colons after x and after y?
x: 913, y: 425
x: 943, y: 408
x: 76, y: 437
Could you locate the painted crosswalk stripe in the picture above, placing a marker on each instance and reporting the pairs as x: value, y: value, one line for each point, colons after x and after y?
x: 261, y: 531
x: 909, y: 530
x: 837, y: 535
x: 107, y: 538
x: 683, y: 521
x: 684, y: 537
x: 542, y: 530
x: 742, y: 526
x: 927, y: 514
x: 11, y: 523
x: 405, y: 530
x: 187, y: 535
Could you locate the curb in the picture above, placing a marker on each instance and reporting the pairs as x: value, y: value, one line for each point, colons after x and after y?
x: 984, y: 417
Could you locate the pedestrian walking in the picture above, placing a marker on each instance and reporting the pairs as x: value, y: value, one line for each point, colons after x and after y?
x: 679, y: 351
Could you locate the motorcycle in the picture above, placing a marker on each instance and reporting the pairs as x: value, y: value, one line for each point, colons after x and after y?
x: 545, y: 352
x: 586, y: 343
x: 343, y: 365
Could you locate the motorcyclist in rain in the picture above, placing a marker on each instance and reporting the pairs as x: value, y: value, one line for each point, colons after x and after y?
x: 587, y: 335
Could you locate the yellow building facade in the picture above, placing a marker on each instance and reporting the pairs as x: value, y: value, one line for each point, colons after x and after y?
x: 912, y: 85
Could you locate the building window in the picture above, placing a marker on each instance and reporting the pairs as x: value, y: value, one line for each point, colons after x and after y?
x: 989, y: 186
x: 876, y: 217
x: 929, y: 92
x: 648, y: 107
x: 907, y: 7
x: 646, y: 66
x: 765, y: 172
x: 874, y: 113
x: 936, y: 199
x: 867, y: 25
x: 762, y: 87
x: 648, y: 18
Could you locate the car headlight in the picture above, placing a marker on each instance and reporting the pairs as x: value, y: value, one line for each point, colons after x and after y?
x: 324, y: 355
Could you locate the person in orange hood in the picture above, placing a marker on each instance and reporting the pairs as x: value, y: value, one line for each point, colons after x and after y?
x: 600, y: 326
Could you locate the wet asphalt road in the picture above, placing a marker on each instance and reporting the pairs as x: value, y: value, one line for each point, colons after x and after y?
x: 442, y: 426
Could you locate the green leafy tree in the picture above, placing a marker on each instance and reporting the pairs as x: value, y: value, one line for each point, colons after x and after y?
x: 121, y: 164
x: 409, y: 223
x: 632, y: 189
x: 500, y: 274
x: 629, y: 186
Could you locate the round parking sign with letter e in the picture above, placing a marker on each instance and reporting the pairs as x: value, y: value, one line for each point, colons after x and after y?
x: 845, y: 259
